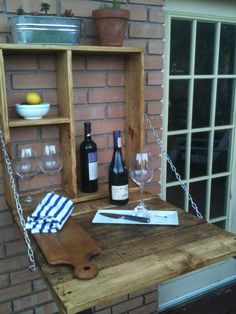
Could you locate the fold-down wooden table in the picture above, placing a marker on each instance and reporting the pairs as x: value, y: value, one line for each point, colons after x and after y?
x: 134, y: 257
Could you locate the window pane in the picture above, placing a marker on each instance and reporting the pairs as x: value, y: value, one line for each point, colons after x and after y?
x: 227, y: 49
x: 218, y: 197
x: 221, y: 151
x: 201, y: 103
x: 220, y: 224
x: 198, y: 193
x: 175, y: 196
x: 224, y: 102
x: 205, y: 48
x: 199, y: 154
x: 178, y: 104
x: 177, y: 153
x: 180, y: 47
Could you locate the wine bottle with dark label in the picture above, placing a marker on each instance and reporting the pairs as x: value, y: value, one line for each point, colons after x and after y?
x: 118, y: 174
x: 88, y: 162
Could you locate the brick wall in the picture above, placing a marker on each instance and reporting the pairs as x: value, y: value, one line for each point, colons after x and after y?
x: 100, y: 82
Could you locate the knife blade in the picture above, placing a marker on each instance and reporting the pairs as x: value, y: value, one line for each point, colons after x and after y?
x: 127, y: 217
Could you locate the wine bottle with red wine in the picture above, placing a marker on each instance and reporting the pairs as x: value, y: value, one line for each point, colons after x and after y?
x: 88, y: 162
x: 118, y: 174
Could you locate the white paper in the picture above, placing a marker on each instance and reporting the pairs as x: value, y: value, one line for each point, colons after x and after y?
x: 157, y: 217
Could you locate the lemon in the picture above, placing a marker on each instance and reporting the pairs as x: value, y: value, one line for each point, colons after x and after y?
x: 33, y: 98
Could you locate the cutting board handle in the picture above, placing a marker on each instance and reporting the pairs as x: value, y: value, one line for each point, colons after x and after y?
x: 85, y: 270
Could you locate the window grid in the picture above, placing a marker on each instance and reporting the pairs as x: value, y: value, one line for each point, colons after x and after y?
x: 191, y: 77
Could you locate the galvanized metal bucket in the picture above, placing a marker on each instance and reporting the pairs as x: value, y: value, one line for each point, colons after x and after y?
x: 27, y: 29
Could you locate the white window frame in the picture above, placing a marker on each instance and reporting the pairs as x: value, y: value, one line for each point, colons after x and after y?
x: 230, y: 214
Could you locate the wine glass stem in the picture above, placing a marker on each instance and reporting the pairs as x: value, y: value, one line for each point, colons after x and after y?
x: 141, y: 203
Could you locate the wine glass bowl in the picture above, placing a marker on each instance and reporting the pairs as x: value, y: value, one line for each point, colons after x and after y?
x: 50, y: 160
x: 26, y: 166
x: 141, y: 172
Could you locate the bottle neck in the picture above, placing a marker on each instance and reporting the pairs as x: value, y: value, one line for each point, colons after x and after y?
x: 117, y: 140
x: 87, y: 131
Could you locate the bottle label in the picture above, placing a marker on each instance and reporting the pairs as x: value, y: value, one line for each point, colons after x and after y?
x: 120, y: 192
x: 92, y: 166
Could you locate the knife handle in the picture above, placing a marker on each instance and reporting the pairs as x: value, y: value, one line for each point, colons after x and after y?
x: 137, y: 218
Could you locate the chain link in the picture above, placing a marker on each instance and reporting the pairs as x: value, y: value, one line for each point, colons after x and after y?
x: 173, y: 168
x: 7, y: 160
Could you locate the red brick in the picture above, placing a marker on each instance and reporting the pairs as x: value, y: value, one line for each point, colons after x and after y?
x: 80, y: 96
x: 5, y: 308
x: 153, y: 63
x: 146, y: 309
x: 105, y: 63
x: 146, y: 30
x: 151, y: 297
x: 102, y: 127
x: 142, y: 291
x: 150, y: 136
x: 13, y: 263
x: 156, y: 46
x: 89, y: 79
x: 4, y: 281
x: 153, y: 93
x: 3, y: 204
x: 106, y: 95
x: 138, y: 13
x: 50, y: 96
x: 147, y: 2
x: 16, y: 247
x: 104, y: 311
x: 83, y: 9
x: 34, y: 81
x: 15, y: 291
x: 5, y: 218
x: 47, y: 63
x: 24, y: 133
x: 111, y: 303
x: 88, y: 112
x: 127, y: 305
x: 20, y: 62
x: 49, y: 132
x: 47, y: 308
x: 8, y: 234
x: 23, y: 275
x: 105, y: 156
x: 154, y: 107
x: 116, y: 111
x: 78, y: 63
x: 31, y: 300
x: 39, y: 285
x: 115, y: 79
x: 156, y: 15
x: 2, y: 251
x: 155, y: 78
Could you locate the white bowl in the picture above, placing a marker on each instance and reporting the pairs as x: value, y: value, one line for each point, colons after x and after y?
x: 32, y: 111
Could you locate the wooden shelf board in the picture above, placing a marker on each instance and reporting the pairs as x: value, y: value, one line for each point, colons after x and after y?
x: 44, y: 121
x: 81, y: 49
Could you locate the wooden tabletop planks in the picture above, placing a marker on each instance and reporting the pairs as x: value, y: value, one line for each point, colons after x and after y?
x: 137, y: 256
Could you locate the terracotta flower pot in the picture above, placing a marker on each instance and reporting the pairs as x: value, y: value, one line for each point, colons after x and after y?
x: 111, y: 25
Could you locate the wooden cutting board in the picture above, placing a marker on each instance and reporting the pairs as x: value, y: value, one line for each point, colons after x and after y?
x: 72, y: 245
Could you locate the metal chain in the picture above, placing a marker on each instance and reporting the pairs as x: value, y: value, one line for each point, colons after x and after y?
x: 173, y: 168
x: 7, y: 160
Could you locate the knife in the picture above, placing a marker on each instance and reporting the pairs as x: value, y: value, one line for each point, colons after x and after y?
x: 128, y: 217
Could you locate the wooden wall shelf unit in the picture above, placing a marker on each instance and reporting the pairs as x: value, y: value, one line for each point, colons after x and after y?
x: 134, y: 102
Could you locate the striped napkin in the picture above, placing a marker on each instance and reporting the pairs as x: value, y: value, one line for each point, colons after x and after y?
x: 50, y: 214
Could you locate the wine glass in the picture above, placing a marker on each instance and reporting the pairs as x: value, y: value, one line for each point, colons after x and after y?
x: 141, y: 172
x: 51, y: 161
x: 26, y: 166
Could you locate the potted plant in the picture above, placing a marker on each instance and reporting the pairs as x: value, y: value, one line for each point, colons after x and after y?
x: 111, y: 23
x: 35, y: 28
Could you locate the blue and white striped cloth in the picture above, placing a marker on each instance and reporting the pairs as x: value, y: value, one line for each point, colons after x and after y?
x: 50, y: 214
